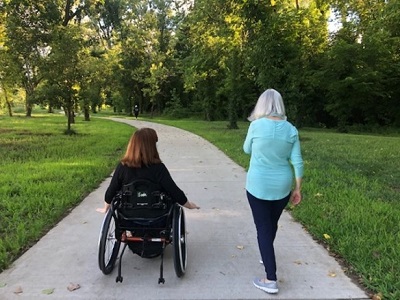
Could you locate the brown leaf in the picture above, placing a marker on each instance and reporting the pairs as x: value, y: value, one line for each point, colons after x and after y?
x: 331, y: 274
x: 377, y: 296
x: 73, y: 286
x: 18, y: 290
x: 298, y: 262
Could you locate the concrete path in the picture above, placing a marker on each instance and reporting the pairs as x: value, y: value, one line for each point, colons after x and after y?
x: 223, y: 256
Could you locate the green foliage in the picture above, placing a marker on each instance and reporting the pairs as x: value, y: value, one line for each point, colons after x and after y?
x: 217, y: 55
x: 45, y: 173
x: 174, y: 107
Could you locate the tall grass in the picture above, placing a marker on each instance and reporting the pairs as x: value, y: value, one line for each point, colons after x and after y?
x: 44, y: 173
x: 351, y: 196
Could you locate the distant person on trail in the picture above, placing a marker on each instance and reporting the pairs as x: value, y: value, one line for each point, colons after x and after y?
x: 274, y: 146
x: 136, y: 111
x: 142, y: 161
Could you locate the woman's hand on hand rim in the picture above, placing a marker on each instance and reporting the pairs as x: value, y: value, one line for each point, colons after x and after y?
x: 191, y: 205
x: 104, y: 209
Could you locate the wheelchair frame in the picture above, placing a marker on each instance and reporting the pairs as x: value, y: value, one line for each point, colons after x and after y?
x: 112, y: 234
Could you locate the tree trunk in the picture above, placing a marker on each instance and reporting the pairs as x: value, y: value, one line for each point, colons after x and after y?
x: 28, y: 108
x: 152, y: 109
x: 9, y: 108
x: 72, y: 116
x: 8, y: 103
x: 69, y: 116
x: 86, y: 111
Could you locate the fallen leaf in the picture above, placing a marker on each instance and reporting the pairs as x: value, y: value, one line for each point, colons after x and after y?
x: 73, y: 287
x: 48, y: 291
x: 297, y: 262
x: 377, y: 296
x: 18, y: 290
x: 2, y: 284
x: 240, y: 247
x: 327, y: 236
x: 331, y: 274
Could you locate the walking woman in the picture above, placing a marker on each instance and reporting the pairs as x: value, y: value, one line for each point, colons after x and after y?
x: 274, y: 146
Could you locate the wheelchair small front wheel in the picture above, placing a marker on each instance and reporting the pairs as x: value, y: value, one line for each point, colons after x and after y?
x: 179, y: 240
x: 108, y: 244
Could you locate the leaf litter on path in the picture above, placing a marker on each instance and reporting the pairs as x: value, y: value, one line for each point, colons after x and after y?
x: 73, y: 286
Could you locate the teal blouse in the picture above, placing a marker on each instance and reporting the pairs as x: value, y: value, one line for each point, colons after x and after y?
x: 274, y: 147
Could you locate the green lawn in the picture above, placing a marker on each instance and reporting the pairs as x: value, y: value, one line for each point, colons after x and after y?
x: 44, y: 173
x: 351, y: 185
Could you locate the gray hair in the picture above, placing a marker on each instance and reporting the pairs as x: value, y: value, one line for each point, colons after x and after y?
x: 269, y: 104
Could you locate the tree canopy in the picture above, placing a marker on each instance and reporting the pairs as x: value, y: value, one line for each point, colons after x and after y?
x: 207, y: 58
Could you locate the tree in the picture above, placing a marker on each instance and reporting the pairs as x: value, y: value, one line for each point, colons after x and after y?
x: 63, y: 72
x: 28, y: 27
x: 5, y: 81
x: 211, y: 40
x: 362, y: 64
x: 287, y: 40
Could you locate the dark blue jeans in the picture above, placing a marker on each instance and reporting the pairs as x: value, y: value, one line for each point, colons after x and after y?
x: 266, y: 214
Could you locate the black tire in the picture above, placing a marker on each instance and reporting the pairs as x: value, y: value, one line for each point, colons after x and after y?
x: 179, y: 240
x: 108, y: 244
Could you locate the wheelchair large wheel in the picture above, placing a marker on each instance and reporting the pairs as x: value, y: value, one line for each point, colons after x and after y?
x: 179, y: 240
x: 108, y: 244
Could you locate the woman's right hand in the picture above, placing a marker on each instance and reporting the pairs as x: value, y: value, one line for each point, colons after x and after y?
x: 295, y: 198
x: 191, y: 205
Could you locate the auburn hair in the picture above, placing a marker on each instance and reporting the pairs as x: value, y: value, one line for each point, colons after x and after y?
x: 142, y: 150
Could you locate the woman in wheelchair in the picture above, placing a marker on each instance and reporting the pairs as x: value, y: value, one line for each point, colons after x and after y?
x: 142, y: 161
x: 141, y: 164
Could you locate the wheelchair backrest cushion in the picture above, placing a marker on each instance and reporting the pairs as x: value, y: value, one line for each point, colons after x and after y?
x: 143, y: 198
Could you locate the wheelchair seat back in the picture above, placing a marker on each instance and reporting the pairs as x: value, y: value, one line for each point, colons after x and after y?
x: 143, y: 199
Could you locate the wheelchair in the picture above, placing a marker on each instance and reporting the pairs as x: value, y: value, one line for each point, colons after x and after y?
x: 146, y: 220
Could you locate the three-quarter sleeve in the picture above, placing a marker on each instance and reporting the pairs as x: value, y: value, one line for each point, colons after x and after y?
x: 248, y: 140
x: 295, y: 156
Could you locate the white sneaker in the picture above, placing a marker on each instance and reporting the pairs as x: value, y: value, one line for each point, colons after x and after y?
x: 270, y: 287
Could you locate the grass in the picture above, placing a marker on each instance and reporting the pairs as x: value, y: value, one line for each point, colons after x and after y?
x: 45, y: 173
x: 351, y: 186
x: 351, y: 196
